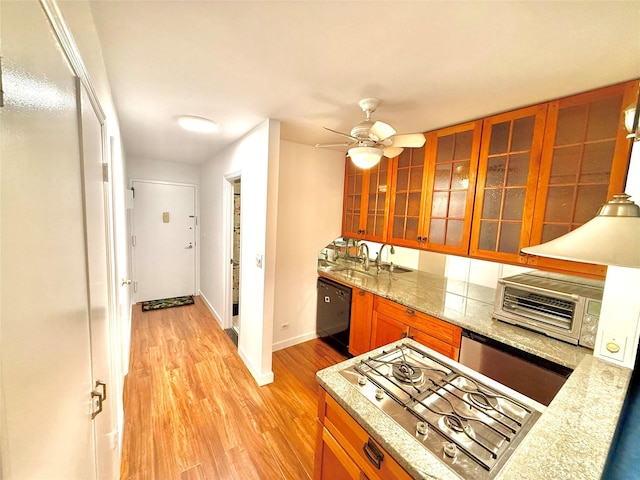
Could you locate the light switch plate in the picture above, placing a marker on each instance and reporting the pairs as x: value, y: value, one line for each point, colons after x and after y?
x: 613, y: 346
x: 258, y: 260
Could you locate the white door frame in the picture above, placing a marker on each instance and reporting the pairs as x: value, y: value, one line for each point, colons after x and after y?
x: 196, y: 234
x: 227, y: 250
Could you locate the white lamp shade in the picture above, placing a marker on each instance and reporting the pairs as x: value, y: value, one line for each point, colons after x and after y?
x: 365, y: 157
x: 611, y: 238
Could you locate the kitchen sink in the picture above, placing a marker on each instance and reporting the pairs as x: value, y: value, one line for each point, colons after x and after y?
x: 353, y: 273
x: 396, y: 269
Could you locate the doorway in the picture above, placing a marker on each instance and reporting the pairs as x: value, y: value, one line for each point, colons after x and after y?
x: 233, y: 331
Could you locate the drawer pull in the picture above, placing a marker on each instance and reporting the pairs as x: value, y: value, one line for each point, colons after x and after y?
x: 410, y: 312
x: 374, y: 454
x: 361, y: 293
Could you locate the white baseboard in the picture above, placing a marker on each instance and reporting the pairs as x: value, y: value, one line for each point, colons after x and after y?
x: 261, y: 379
x: 290, y: 342
x: 211, y: 309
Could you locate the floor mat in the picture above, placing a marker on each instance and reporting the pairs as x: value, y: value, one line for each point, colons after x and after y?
x: 167, y: 303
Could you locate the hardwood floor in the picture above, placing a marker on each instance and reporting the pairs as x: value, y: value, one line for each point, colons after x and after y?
x: 193, y: 411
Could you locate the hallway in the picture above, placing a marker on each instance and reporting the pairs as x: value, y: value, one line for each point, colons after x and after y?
x: 193, y: 411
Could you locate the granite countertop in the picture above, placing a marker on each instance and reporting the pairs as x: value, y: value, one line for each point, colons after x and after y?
x: 569, y: 441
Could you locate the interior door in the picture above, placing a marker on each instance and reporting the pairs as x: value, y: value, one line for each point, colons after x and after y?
x: 45, y: 355
x: 92, y: 149
x: 164, y: 240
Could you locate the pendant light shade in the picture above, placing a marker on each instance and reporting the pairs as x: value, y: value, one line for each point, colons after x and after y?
x: 610, y: 238
x: 365, y: 157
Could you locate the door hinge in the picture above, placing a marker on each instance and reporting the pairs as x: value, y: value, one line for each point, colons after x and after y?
x: 133, y: 240
x: 105, y: 172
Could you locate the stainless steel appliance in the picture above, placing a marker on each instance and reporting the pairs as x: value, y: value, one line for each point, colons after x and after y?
x: 560, y: 306
x: 471, y: 422
x: 333, y: 313
x: 528, y: 374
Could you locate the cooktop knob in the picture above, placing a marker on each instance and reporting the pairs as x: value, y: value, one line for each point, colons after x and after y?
x: 379, y: 394
x: 422, y: 428
x: 362, y: 380
x: 450, y: 450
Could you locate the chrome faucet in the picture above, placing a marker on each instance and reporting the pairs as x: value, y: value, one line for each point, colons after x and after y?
x: 379, y: 256
x: 364, y: 253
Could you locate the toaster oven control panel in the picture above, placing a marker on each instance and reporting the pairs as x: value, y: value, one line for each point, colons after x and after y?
x: 590, y: 323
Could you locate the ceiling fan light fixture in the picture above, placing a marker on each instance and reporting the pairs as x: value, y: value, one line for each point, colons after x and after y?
x: 365, y: 157
x: 197, y: 124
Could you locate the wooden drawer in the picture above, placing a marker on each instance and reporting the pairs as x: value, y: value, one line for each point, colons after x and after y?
x: 434, y: 327
x: 356, y: 442
x: 439, y: 346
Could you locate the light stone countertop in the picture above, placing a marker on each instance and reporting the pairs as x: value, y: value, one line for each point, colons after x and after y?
x: 570, y: 441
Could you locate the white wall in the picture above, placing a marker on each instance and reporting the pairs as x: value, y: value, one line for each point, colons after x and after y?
x: 255, y: 158
x: 310, y: 192
x: 620, y: 315
x: 162, y: 171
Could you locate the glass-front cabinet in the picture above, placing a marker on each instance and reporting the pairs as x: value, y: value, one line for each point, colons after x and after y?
x: 506, y: 187
x: 432, y: 191
x: 452, y: 161
x: 365, y: 204
x: 584, y: 163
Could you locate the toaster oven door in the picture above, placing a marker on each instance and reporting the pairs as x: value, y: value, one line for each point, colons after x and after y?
x: 555, y: 314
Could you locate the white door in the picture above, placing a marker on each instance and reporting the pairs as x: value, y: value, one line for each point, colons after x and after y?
x: 99, y: 286
x: 45, y: 354
x: 164, y: 240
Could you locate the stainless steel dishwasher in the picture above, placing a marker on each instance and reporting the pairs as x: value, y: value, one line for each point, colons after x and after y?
x: 333, y: 314
x: 528, y: 374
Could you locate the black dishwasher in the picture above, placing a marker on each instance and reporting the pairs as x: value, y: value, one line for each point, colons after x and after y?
x: 333, y: 314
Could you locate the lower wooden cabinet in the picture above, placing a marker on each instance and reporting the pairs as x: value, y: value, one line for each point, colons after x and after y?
x: 360, y: 327
x: 344, y: 450
x: 392, y: 321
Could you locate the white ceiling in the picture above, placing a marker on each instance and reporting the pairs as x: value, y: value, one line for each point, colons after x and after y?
x: 308, y: 63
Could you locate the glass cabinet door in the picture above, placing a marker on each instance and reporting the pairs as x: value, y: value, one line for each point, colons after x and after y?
x: 376, y: 197
x: 452, y: 161
x: 507, y: 177
x: 352, y: 206
x: 583, y: 163
x: 406, y: 199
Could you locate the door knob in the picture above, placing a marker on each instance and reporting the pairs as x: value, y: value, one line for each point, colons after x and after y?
x: 190, y: 245
x: 124, y: 282
x: 101, y: 397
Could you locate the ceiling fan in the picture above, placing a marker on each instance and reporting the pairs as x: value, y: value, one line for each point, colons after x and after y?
x: 370, y: 140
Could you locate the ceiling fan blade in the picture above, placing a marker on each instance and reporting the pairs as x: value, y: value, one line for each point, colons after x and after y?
x: 380, y: 131
x: 412, y: 140
x: 391, y: 152
x: 343, y: 134
x: 320, y: 145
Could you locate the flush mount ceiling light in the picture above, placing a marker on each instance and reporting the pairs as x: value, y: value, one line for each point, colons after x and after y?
x: 611, y: 238
x: 197, y: 124
x: 365, y: 157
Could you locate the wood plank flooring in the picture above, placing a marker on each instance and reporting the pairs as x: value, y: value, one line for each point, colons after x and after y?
x: 193, y: 411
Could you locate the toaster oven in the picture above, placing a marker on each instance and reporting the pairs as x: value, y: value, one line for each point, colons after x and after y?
x: 560, y: 306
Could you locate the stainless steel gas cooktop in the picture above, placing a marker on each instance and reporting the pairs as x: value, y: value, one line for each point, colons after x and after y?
x: 471, y: 422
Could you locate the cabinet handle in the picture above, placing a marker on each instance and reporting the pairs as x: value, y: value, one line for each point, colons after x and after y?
x: 404, y: 335
x: 372, y: 452
x: 410, y: 312
x: 361, y: 293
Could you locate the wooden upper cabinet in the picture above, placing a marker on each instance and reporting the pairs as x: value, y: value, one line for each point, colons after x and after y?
x: 452, y: 162
x: 584, y: 163
x: 366, y: 201
x: 506, y: 186
x: 407, y: 194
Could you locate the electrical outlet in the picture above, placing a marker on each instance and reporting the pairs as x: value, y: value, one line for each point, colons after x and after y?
x: 284, y: 326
